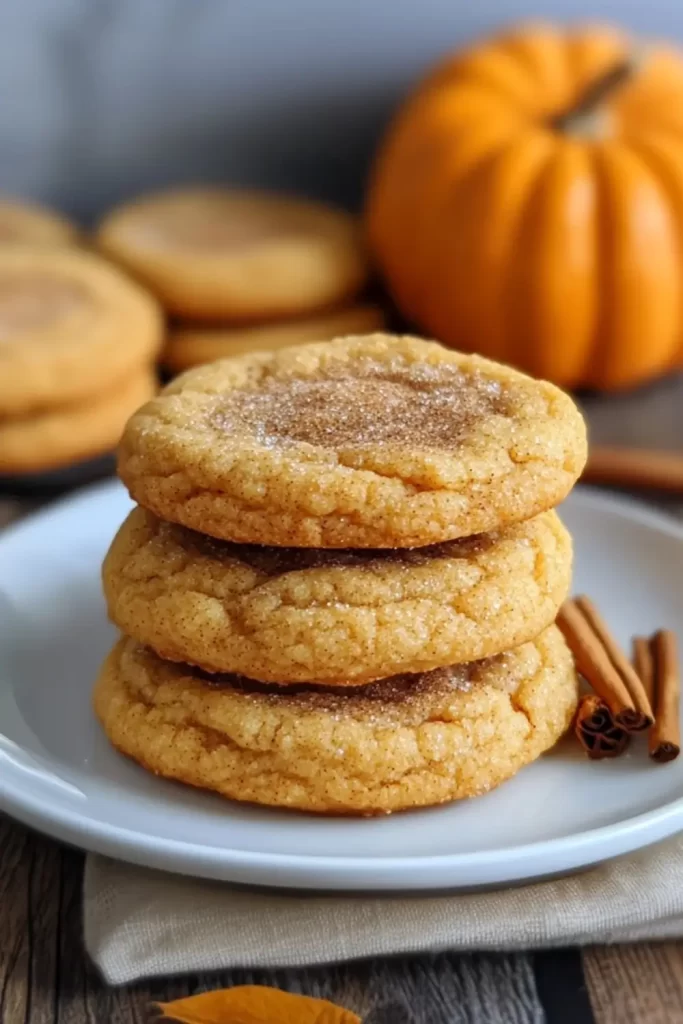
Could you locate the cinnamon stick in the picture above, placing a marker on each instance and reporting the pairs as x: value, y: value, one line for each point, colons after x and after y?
x: 643, y: 717
x: 598, y: 660
x: 665, y: 736
x: 635, y: 468
x: 596, y: 730
x: 643, y: 663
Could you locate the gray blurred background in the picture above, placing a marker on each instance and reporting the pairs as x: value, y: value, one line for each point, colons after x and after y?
x: 100, y: 99
x: 103, y: 99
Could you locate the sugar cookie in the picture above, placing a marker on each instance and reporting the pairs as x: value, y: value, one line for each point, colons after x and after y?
x: 225, y: 254
x: 369, y: 441
x: 72, y: 433
x: 70, y: 325
x: 404, y: 742
x: 344, y: 617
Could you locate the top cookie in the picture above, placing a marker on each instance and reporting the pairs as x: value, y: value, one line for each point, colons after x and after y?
x: 221, y: 254
x: 31, y: 224
x: 70, y: 325
x: 371, y: 441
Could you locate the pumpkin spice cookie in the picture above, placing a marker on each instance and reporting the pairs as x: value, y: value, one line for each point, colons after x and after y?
x: 193, y: 346
x: 226, y: 254
x: 72, y: 433
x: 408, y: 741
x: 31, y: 224
x: 371, y: 441
x: 292, y: 615
x: 70, y: 325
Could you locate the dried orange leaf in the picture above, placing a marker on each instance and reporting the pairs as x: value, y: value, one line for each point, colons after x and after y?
x: 255, y: 1004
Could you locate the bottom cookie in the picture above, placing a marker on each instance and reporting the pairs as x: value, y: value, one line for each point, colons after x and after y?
x: 72, y: 433
x: 408, y: 741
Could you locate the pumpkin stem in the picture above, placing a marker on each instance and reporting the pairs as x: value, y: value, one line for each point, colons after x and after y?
x: 583, y: 113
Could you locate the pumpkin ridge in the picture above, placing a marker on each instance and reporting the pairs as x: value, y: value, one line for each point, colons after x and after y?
x: 658, y: 152
x: 556, y: 237
x: 638, y: 283
x: 475, y: 258
x: 540, y: 48
x: 456, y: 179
x: 505, y: 311
x: 409, y: 230
x: 443, y: 285
x: 491, y: 64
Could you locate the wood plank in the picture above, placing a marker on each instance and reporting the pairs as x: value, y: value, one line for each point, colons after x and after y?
x: 14, y: 959
x: 29, y: 902
x: 441, y: 989
x: 46, y: 979
x: 82, y: 997
x: 444, y: 989
x: 635, y: 984
x: 448, y: 989
x: 43, y: 912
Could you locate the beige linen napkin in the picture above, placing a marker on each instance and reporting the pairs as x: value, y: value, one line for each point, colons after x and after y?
x: 140, y: 922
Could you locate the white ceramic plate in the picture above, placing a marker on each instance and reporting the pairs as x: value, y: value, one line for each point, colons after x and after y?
x: 59, y: 774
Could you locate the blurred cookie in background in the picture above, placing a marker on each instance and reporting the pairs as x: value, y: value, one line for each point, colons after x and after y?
x: 78, y: 343
x: 191, y: 346
x: 226, y: 255
x: 70, y: 326
x: 70, y: 434
x: 31, y: 223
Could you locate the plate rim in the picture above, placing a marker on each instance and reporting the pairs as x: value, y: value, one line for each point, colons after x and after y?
x: 501, y: 866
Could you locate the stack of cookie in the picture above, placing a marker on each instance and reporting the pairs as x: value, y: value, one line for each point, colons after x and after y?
x: 78, y: 343
x: 243, y: 271
x: 338, y: 590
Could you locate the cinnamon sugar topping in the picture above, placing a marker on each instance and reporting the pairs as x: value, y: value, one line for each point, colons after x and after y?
x: 273, y: 561
x: 368, y: 404
x: 407, y: 691
x: 277, y: 561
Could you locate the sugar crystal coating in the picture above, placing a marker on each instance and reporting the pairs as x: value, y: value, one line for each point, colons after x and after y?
x: 410, y: 690
x: 368, y: 403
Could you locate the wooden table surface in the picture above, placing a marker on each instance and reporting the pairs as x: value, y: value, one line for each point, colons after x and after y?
x: 45, y: 977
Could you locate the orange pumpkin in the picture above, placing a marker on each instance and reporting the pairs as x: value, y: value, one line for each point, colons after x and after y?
x: 527, y: 204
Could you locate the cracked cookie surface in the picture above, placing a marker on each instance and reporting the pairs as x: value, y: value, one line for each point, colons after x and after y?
x: 368, y: 441
x: 408, y: 741
x: 70, y: 325
x: 306, y: 615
